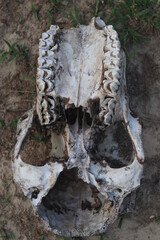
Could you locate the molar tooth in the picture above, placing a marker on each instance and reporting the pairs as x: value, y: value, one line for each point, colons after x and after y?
x: 52, y: 103
x: 55, y: 47
x: 111, y: 104
x: 111, y: 54
x: 40, y: 73
x: 106, y: 86
x: 110, y: 87
x: 50, y: 86
x: 45, y: 36
x: 102, y: 114
x: 53, y: 30
x: 51, y: 94
x: 49, y: 74
x: 41, y: 62
x: 114, y: 87
x: 47, y: 63
x: 105, y: 31
x: 52, y: 54
x: 43, y: 45
x: 42, y: 53
x: 108, y: 118
x: 104, y: 104
x: 40, y: 85
x: 110, y: 28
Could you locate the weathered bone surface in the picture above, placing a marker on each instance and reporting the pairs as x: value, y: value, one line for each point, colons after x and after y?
x: 81, y: 100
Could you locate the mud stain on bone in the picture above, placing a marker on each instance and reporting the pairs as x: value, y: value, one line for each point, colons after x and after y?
x: 114, y: 147
x: 42, y: 145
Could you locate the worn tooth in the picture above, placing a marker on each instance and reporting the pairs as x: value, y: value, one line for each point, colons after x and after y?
x: 102, y: 114
x: 47, y: 54
x: 54, y: 48
x: 110, y: 28
x: 43, y: 45
x: 108, y: 75
x: 40, y: 73
x: 49, y: 74
x: 111, y: 104
x: 106, y: 86
x: 114, y: 87
x: 104, y: 104
x: 53, y: 30
x: 112, y: 75
x: 45, y: 36
x: 112, y: 53
x: 110, y: 87
x: 105, y: 31
x: 52, y: 103
x: 40, y: 85
x: 52, y: 54
x: 50, y: 86
x: 46, y: 63
x: 111, y: 63
x: 108, y: 118
x: 51, y: 94
x: 115, y: 62
x: 114, y: 36
x: 41, y: 62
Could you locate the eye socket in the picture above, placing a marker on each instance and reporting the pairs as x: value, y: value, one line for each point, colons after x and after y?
x: 71, y: 115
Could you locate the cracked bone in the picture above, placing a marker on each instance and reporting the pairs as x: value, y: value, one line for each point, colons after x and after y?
x: 77, y: 188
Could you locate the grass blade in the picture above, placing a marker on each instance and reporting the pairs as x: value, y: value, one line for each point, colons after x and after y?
x: 34, y: 11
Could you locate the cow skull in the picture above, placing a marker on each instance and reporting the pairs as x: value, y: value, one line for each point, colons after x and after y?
x: 81, y: 98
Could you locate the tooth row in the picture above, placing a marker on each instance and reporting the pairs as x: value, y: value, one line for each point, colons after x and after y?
x: 47, y: 66
x: 111, y: 61
x: 112, y: 74
x: 107, y: 110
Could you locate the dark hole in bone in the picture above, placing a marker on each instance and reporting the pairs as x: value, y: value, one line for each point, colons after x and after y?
x: 73, y: 204
x: 71, y: 115
x: 35, y: 193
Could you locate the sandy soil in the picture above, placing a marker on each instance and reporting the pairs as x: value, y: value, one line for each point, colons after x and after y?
x: 17, y: 93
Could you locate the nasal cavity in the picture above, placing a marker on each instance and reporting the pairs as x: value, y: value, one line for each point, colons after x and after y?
x: 71, y: 115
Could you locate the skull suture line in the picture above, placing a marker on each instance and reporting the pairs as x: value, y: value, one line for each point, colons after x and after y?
x: 81, y: 99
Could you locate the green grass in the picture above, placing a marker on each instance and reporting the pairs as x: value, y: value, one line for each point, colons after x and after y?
x: 49, y: 11
x: 15, y: 51
x: 6, y: 235
x: 13, y: 123
x: 2, y: 122
x: 41, y: 238
x: 134, y: 20
x: 40, y: 138
x: 4, y: 184
x: 75, y: 15
x: 121, y: 220
x: 34, y: 11
x: 157, y: 219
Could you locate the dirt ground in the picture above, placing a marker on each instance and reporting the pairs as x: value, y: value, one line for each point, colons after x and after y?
x: 17, y: 93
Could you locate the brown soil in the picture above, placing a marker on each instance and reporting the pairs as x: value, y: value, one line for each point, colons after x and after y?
x: 17, y: 93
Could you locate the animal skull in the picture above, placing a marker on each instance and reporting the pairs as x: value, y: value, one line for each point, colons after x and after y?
x: 81, y: 98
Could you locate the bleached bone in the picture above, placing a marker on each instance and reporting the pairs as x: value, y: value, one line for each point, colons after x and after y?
x: 81, y: 89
